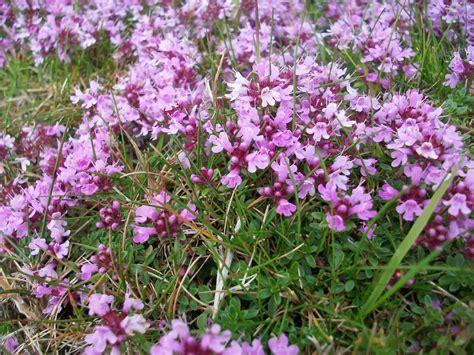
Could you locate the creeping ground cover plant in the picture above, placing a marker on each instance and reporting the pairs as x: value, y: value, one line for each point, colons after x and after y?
x: 236, y: 177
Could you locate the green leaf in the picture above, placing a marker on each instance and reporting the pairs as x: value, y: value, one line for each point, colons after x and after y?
x: 310, y: 260
x: 349, y: 286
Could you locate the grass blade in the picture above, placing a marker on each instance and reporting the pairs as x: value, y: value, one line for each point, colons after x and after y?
x: 406, y: 244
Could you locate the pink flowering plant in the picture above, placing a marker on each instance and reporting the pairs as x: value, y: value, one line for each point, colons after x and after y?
x: 236, y: 177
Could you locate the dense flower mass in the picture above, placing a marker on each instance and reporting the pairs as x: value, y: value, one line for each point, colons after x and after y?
x: 180, y: 341
x: 257, y: 112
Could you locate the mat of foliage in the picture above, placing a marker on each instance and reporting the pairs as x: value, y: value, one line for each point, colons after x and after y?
x: 236, y: 177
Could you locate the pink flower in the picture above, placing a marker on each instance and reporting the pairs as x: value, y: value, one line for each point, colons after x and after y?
x: 184, y: 160
x: 256, y: 160
x: 232, y: 179
x: 409, y: 209
x: 142, y: 234
x: 221, y: 143
x: 415, y: 172
x: 330, y: 110
x: 426, y: 150
x: 361, y: 204
x: 87, y: 270
x: 280, y: 346
x: 134, y: 324
x: 388, y: 192
x: 281, y: 168
x: 189, y: 213
x: 452, y: 80
x: 270, y: 96
x: 328, y: 192
x: 56, y: 226
x: 131, y: 303
x: 319, y: 131
x: 285, y: 208
x: 282, y: 139
x: 145, y: 213
x: 100, y: 338
x: 335, y: 222
x: 36, y: 245
x: 10, y: 344
x: 457, y: 64
x: 60, y: 250
x: 89, y: 189
x: 370, y: 232
x: 214, y: 339
x: 366, y: 166
x: 239, y: 86
x: 400, y: 157
x: 457, y: 204
x: 99, y: 304
x: 255, y: 349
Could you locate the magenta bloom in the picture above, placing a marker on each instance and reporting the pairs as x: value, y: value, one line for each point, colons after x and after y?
x: 232, y: 179
x: 99, y: 304
x: 388, y: 192
x: 159, y: 220
x: 280, y: 346
x: 457, y: 204
x: 409, y: 209
x: 285, y: 208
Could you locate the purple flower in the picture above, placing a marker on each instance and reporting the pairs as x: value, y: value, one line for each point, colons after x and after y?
x: 10, y: 344
x: 255, y: 348
x: 134, y: 324
x: 457, y: 204
x: 142, y: 234
x: 258, y: 160
x: 452, y: 80
x: 370, y: 231
x: 232, y: 179
x: 319, y: 131
x: 282, y: 139
x: 189, y: 213
x: 87, y: 270
x: 99, y: 339
x: 99, y: 304
x: 214, y: 339
x: 221, y: 143
x: 56, y: 226
x: 285, y: 208
x: 426, y: 150
x: 409, y: 209
x: 280, y: 167
x: 361, y: 204
x: 270, y: 96
x: 280, y: 346
x: 335, y: 222
x: 415, y: 172
x: 131, y: 304
x: 457, y: 64
x: 36, y: 245
x: 388, y: 192
x: 110, y: 217
x: 400, y: 157
x: 60, y: 250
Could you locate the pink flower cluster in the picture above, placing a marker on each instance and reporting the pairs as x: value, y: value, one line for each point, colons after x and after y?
x: 448, y: 16
x: 379, y: 33
x: 116, y: 325
x: 462, y: 70
x: 159, y: 219
x: 57, y: 27
x: 180, y: 341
